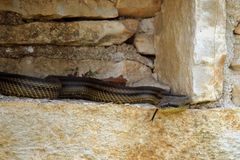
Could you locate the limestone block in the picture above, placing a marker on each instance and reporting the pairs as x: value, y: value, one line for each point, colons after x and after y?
x: 147, y: 26
x: 191, y: 47
x: 138, y: 8
x: 100, y: 33
x: 115, y: 53
x: 151, y: 81
x: 74, y: 129
x: 132, y: 71
x: 144, y: 44
x: 54, y: 9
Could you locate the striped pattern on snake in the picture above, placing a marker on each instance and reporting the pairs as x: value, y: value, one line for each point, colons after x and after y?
x: 54, y: 87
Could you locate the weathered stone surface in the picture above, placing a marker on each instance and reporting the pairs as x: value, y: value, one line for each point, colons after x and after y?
x: 138, y: 8
x: 190, y: 56
x: 236, y: 40
x: 235, y: 65
x: 144, y: 44
x: 147, y: 26
x: 233, y: 15
x: 132, y: 71
x: 151, y: 81
x: 113, y: 53
x: 10, y: 18
x: 236, y: 92
x: 101, y: 33
x: 39, y: 129
x: 54, y: 9
x: 233, y: 10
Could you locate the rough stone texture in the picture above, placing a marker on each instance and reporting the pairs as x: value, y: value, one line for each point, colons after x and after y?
x: 138, y: 8
x: 132, y: 71
x: 113, y: 53
x: 190, y: 56
x: 147, y: 26
x: 100, y: 33
x: 237, y: 29
x: 42, y: 129
x: 151, y: 81
x: 232, y: 83
x: 144, y: 44
x: 236, y: 92
x: 209, y: 50
x: 231, y: 75
x: 54, y: 9
x: 10, y: 18
x: 233, y: 11
x: 235, y: 65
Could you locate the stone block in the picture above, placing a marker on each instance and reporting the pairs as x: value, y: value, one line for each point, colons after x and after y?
x: 55, y: 9
x: 114, y: 53
x: 191, y: 47
x: 138, y: 8
x: 147, y: 26
x: 151, y: 81
x: 132, y: 71
x: 144, y: 44
x: 83, y: 33
x: 54, y: 129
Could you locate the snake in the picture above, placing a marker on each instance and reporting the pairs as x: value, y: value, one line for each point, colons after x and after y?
x: 65, y: 87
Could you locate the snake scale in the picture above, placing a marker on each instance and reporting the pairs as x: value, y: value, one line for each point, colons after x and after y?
x: 55, y: 87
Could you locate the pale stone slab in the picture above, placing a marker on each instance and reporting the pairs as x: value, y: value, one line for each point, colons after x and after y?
x: 138, y: 8
x: 190, y: 53
x: 144, y: 44
x: 147, y: 26
x: 99, y: 33
x: 210, y: 50
x: 132, y: 71
x: 43, y: 129
x: 151, y: 81
x: 115, y: 53
x: 54, y: 9
x: 173, y: 55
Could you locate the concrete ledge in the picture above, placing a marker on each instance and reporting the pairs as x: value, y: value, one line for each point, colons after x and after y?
x: 42, y: 129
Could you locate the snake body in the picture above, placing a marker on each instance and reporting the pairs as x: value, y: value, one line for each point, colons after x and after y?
x: 25, y: 86
x: 54, y: 87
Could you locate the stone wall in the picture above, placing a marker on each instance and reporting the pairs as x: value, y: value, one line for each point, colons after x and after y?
x: 114, y: 38
x: 120, y: 38
x: 189, y: 56
x: 108, y: 39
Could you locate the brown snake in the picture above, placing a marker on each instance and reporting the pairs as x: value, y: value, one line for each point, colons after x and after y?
x: 54, y: 87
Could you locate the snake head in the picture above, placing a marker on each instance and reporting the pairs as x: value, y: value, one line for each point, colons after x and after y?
x: 174, y: 100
